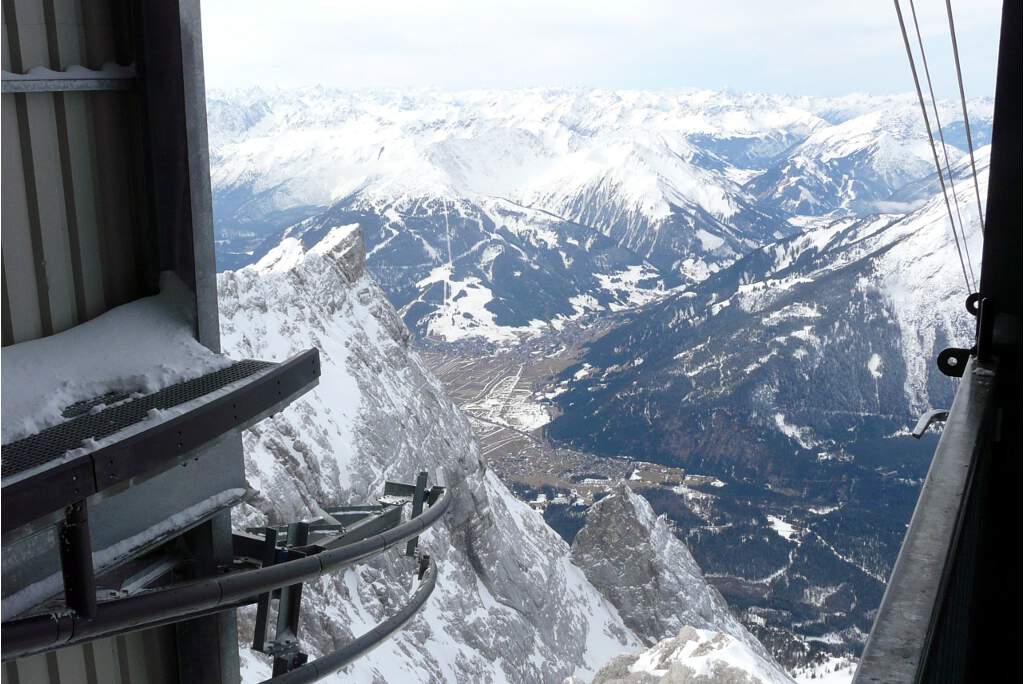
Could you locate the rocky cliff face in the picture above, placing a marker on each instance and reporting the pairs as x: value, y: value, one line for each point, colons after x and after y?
x: 509, y: 605
x: 637, y: 562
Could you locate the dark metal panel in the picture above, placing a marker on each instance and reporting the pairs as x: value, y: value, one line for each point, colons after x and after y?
x: 76, y: 195
x: 98, y: 30
x: 33, y: 669
x: 1001, y: 258
x: 170, y: 68
x: 20, y: 282
x: 5, y: 56
x: 194, y: 92
x: 54, y: 249
x: 81, y: 154
x: 66, y: 33
x: 28, y: 15
x: 71, y: 665
x: 104, y: 658
x: 111, y: 133
x: 205, y: 643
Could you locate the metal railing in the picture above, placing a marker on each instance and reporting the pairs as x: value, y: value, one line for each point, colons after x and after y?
x: 329, y: 664
x: 914, y: 616
x: 158, y: 607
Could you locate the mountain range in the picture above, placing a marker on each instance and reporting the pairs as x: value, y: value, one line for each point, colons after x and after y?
x: 494, y: 215
x: 760, y: 281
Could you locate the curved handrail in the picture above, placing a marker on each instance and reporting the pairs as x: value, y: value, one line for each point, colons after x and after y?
x: 33, y: 634
x: 329, y: 664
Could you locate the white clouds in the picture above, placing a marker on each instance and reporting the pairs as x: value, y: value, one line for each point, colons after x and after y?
x: 809, y: 46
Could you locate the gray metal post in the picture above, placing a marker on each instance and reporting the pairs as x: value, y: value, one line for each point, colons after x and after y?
x: 259, y: 637
x: 76, y: 560
x: 288, y: 606
x: 417, y: 507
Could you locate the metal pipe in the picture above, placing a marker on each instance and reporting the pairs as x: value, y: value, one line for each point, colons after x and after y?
x: 329, y: 664
x: 30, y: 635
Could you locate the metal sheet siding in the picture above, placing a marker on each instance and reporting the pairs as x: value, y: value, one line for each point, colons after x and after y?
x: 75, y: 236
x: 147, y: 657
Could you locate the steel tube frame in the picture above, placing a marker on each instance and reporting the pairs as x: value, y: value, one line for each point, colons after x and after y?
x: 329, y: 664
x: 162, y: 606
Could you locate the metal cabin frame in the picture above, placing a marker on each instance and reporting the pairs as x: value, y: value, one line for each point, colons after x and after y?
x: 119, y: 562
x: 958, y: 570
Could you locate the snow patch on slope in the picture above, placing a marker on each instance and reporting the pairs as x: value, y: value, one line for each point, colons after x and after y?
x: 694, y: 655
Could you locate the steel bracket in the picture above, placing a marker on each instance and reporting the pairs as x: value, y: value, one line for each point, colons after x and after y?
x: 926, y: 419
x: 953, y: 361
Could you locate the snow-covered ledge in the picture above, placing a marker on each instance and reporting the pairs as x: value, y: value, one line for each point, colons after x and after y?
x: 139, y: 347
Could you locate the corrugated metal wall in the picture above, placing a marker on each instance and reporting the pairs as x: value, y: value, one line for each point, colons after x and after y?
x: 148, y: 657
x: 75, y: 236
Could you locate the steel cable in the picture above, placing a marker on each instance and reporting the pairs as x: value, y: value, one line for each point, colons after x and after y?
x: 942, y: 143
x: 931, y: 139
x: 963, y: 107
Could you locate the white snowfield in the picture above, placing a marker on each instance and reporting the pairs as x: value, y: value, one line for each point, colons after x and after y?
x: 546, y: 148
x: 530, y: 145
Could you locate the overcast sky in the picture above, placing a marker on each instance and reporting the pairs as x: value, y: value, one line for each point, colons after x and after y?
x: 812, y: 47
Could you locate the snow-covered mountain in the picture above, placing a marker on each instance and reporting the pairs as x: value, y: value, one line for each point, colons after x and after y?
x: 493, y: 214
x: 792, y: 376
x: 512, y: 271
x: 770, y: 333
x: 510, y: 604
x: 858, y: 164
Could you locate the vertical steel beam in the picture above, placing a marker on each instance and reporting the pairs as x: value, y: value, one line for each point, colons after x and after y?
x: 259, y: 637
x: 288, y: 606
x: 76, y: 560
x: 417, y: 507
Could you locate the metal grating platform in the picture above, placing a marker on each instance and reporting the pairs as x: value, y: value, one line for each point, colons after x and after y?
x: 52, y: 443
